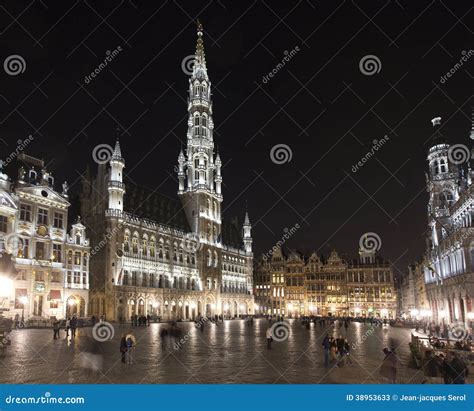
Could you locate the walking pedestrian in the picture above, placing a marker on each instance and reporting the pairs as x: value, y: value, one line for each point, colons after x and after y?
x: 68, y: 326
x: 388, y: 369
x: 326, y: 348
x: 269, y: 338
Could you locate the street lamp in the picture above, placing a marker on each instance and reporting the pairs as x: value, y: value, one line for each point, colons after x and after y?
x: 23, y: 300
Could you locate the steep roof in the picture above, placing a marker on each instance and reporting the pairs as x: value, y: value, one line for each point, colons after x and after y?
x: 146, y: 203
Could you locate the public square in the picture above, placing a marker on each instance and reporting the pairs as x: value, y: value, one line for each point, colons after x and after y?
x: 230, y: 352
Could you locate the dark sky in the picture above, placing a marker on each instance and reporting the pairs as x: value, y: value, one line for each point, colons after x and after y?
x: 319, y: 104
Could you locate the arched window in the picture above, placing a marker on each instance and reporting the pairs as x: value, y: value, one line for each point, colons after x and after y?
x: 126, y: 243
x: 152, y: 247
x: 216, y: 259
x: 135, y: 243
x: 209, y: 258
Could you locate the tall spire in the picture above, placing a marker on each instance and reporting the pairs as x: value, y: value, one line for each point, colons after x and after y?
x: 200, y: 69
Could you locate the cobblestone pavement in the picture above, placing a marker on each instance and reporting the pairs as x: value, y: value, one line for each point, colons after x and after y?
x: 230, y: 352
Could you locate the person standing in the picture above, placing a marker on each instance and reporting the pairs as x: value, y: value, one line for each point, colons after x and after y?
x: 123, y: 348
x: 269, y: 338
x: 130, y: 341
x: 73, y: 325
x: 326, y: 348
x: 68, y: 326
x: 460, y: 370
x: 388, y: 368
x: 56, y: 329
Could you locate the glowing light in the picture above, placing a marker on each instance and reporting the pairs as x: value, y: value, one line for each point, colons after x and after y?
x: 290, y: 306
x: 193, y: 305
x: 6, y: 286
x: 384, y: 312
x: 470, y: 316
x: 414, y: 312
x: 155, y: 304
x: 370, y: 309
x: 180, y: 304
x: 357, y: 310
x: 226, y: 307
x: 23, y: 299
x: 71, y: 302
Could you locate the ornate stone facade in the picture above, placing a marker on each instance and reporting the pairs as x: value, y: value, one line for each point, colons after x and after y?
x: 52, y: 265
x: 174, y: 259
x: 449, y: 259
x: 298, y: 286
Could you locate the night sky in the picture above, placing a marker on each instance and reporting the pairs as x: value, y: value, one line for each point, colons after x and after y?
x: 319, y: 104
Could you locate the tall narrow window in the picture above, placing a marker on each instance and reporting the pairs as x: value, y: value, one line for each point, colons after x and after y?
x: 42, y: 216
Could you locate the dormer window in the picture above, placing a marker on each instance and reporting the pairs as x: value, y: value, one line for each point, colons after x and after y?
x: 33, y: 175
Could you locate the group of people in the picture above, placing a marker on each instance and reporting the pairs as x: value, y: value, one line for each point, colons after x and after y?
x: 139, y: 320
x: 336, y: 351
x: 70, y: 325
x: 447, y: 368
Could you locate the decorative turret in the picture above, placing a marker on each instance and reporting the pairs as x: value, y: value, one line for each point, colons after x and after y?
x: 247, y: 228
x: 442, y: 185
x: 116, y: 187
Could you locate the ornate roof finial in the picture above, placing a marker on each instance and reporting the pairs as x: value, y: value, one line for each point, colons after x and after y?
x: 200, y: 59
x: 436, y: 121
